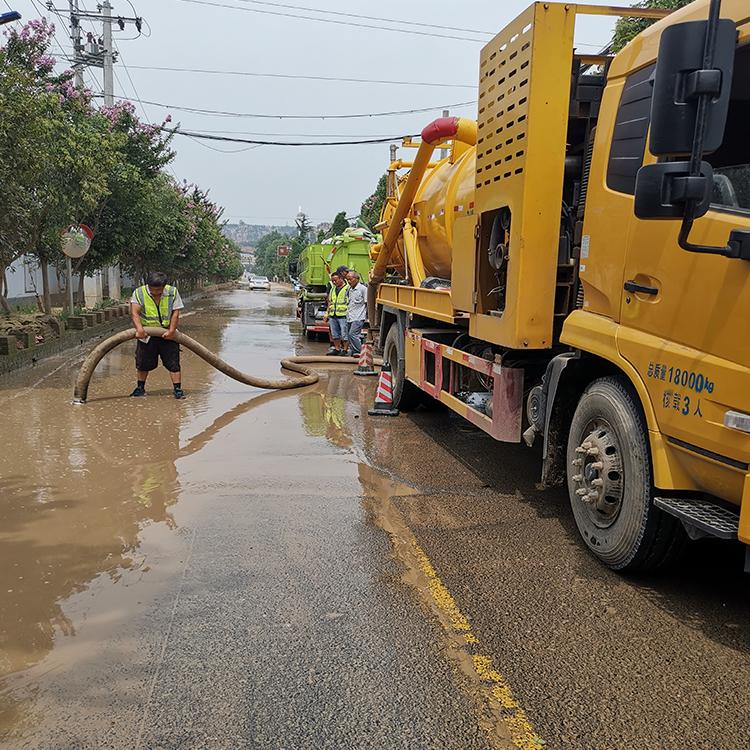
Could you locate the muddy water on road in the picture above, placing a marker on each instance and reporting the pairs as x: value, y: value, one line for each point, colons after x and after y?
x: 207, y: 573
x: 88, y: 529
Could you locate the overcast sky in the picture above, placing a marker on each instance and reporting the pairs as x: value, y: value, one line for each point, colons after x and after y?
x: 266, y: 184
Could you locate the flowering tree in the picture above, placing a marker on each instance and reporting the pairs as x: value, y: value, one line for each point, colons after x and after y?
x: 55, y: 152
x: 62, y: 162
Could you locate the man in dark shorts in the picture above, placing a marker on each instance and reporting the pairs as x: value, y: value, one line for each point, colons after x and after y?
x: 156, y: 304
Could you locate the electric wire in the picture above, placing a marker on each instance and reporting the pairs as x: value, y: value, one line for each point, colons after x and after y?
x: 368, y: 18
x: 224, y: 151
x: 302, y: 77
x: 334, y: 21
x: 223, y: 113
x: 286, y: 135
x: 228, y: 139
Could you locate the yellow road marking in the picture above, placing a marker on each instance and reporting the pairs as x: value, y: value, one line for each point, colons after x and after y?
x: 522, y: 734
x: 500, y: 714
x: 442, y: 596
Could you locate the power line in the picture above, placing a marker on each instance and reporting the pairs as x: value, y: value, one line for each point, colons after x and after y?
x: 127, y: 73
x: 302, y: 77
x: 221, y: 150
x: 369, y: 18
x: 222, y: 113
x: 332, y: 20
x: 228, y: 139
x: 291, y: 135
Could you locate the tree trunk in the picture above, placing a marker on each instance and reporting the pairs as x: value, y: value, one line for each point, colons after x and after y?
x: 4, y: 304
x: 81, y: 296
x: 46, y: 295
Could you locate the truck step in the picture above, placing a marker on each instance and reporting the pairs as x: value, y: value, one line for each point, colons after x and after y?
x: 706, y: 516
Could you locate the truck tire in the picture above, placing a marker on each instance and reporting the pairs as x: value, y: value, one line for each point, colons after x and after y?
x: 406, y: 395
x: 609, y: 481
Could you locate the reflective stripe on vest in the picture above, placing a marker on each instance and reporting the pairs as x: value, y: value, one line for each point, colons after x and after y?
x: 338, y: 303
x: 151, y: 315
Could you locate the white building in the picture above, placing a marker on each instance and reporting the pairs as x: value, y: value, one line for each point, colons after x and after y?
x: 25, y: 282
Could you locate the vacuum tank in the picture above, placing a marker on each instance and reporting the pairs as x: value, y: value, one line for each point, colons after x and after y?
x: 445, y: 192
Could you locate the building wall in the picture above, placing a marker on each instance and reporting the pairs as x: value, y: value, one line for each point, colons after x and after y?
x: 25, y: 281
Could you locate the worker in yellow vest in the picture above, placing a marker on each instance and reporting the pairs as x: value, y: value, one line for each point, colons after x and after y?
x: 156, y: 304
x: 338, y: 305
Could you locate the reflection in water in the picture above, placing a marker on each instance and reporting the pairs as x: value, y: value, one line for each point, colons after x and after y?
x: 77, y: 487
x: 324, y: 411
x: 87, y: 494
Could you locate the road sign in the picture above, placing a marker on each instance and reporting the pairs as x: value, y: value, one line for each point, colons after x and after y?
x: 283, y: 251
x: 76, y: 241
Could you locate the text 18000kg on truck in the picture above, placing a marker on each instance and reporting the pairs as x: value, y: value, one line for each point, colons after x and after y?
x: 317, y: 262
x: 537, y: 296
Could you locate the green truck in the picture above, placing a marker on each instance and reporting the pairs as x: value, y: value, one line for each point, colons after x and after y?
x: 317, y: 262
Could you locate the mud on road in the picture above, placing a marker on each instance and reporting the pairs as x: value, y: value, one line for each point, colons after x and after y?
x: 277, y: 570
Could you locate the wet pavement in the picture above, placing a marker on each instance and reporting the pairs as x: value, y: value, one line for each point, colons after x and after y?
x: 277, y: 570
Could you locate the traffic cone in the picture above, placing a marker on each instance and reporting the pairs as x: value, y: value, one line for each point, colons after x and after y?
x: 364, y: 366
x: 384, y: 395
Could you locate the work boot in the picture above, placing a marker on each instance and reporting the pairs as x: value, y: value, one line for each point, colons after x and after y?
x: 139, y: 391
x: 332, y: 352
x: 179, y: 393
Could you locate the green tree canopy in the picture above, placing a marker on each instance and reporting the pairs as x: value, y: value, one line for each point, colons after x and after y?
x: 628, y: 28
x: 339, y: 224
x: 369, y: 214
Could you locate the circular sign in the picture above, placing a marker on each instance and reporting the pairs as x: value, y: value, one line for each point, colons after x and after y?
x: 76, y: 241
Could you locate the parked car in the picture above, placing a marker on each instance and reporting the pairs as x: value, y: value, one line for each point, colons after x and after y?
x: 259, y: 282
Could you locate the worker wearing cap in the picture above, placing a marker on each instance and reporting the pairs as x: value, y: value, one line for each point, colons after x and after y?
x: 356, y: 314
x: 156, y: 304
x: 338, y: 305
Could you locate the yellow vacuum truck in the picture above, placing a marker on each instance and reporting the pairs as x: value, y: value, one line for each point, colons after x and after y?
x: 576, y: 272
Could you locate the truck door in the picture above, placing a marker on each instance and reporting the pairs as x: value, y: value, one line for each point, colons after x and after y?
x: 685, y: 316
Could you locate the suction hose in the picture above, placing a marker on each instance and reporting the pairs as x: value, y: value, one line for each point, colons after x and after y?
x: 294, y: 364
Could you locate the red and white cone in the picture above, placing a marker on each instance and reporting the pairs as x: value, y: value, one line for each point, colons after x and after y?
x: 364, y: 366
x: 384, y: 395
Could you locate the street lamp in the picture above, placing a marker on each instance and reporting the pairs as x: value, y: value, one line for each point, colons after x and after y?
x: 9, y: 17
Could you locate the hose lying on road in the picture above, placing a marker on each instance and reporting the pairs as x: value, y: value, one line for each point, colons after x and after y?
x: 294, y: 364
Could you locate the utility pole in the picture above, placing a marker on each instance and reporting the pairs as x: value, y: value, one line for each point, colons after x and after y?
x: 444, y: 151
x: 390, y: 185
x: 108, y: 71
x: 75, y: 37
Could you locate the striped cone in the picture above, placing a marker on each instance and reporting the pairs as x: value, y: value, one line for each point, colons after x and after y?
x: 384, y: 395
x: 364, y: 366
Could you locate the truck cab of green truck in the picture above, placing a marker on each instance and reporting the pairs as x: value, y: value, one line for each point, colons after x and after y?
x: 316, y: 264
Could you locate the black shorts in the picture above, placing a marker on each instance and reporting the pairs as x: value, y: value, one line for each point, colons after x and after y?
x: 147, y: 354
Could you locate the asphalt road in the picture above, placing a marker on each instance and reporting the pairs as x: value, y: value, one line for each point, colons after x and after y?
x: 278, y: 570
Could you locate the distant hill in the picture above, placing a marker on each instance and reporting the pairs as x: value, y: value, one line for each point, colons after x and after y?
x: 247, y: 235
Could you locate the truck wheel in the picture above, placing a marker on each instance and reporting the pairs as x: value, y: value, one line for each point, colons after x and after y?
x: 406, y: 395
x: 609, y: 481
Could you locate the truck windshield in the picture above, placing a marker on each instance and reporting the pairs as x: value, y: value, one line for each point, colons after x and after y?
x: 731, y: 162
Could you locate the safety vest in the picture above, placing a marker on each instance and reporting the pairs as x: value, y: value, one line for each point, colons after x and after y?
x: 338, y: 301
x: 151, y: 314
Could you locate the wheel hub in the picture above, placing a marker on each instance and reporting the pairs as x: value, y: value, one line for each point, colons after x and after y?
x: 597, y: 476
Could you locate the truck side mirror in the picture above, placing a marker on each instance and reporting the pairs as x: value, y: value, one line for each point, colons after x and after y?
x: 662, y: 190
x: 689, y: 108
x: 682, y: 79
